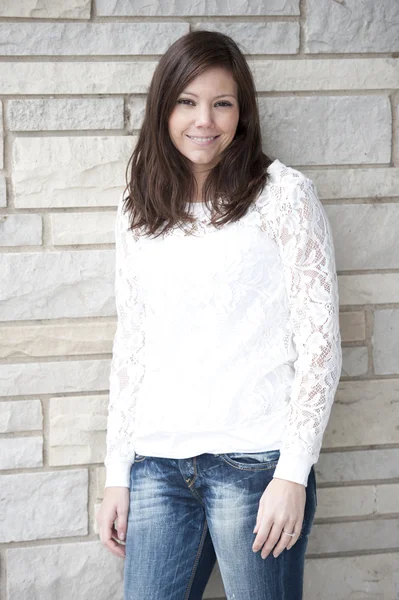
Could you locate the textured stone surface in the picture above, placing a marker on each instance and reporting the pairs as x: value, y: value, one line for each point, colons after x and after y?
x: 290, y: 75
x: 348, y: 27
x: 43, y: 505
x: 370, y: 288
x: 66, y: 39
x: 353, y: 536
x: 1, y: 135
x: 83, y: 228
x: 357, y: 235
x: 105, y: 77
x: 21, y: 452
x: 45, y: 9
x: 65, y: 113
x: 342, y: 184
x: 352, y: 326
x: 20, y: 230
x: 54, y: 377
x: 3, y: 191
x: 77, y: 430
x: 58, y: 284
x: 359, y: 500
x: 355, y: 361
x: 327, y: 129
x: 364, y: 413
x: 357, y: 465
x: 158, y: 8
x: 73, y: 339
x: 255, y: 37
x: 21, y: 415
x: 84, y: 570
x: 385, y: 341
x: 366, y: 577
x: 61, y: 172
x: 135, y: 111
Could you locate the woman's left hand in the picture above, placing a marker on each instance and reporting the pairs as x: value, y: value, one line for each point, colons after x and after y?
x: 281, y: 507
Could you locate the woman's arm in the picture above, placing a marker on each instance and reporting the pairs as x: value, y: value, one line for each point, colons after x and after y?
x: 303, y: 234
x: 127, y: 366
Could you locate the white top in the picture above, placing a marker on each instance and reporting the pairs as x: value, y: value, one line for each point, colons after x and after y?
x: 227, y: 339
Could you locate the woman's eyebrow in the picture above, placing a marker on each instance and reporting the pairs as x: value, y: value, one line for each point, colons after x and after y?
x: 219, y: 96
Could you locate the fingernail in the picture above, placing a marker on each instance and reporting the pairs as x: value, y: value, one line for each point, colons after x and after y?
x: 121, y: 536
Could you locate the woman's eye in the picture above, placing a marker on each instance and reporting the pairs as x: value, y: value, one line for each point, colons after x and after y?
x: 186, y: 100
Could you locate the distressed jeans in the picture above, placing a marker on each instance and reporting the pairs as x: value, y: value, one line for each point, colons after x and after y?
x: 186, y: 513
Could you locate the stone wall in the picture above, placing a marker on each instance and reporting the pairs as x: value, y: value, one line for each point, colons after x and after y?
x: 73, y: 79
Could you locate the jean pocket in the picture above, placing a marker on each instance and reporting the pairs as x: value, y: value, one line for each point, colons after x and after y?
x: 139, y: 457
x: 264, y: 460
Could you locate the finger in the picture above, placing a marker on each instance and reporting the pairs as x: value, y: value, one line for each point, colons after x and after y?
x: 258, y: 518
x: 297, y: 531
x: 107, y: 535
x: 122, y: 525
x: 285, y: 539
x: 272, y: 540
x: 263, y: 533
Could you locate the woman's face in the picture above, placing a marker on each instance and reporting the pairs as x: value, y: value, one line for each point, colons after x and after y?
x: 207, y: 108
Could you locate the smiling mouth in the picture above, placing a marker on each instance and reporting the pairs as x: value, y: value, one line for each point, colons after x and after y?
x: 202, y: 141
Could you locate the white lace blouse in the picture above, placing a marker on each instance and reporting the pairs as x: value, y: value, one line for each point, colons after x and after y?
x: 227, y: 339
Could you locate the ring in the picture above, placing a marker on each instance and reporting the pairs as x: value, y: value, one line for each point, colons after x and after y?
x: 291, y: 534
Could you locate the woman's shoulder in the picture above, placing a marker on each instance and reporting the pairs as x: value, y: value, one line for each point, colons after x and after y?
x: 283, y: 175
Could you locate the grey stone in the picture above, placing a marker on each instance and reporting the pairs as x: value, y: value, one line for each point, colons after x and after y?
x: 70, y: 170
x: 3, y: 192
x: 325, y: 129
x: 86, y: 570
x: 77, y: 430
x: 58, y: 284
x: 65, y: 113
x: 46, y: 9
x: 20, y: 230
x: 134, y: 76
x: 158, y: 8
x: 83, y: 228
x: 66, y: 39
x: 357, y: 465
x: 364, y: 413
x: 352, y: 326
x: 363, y: 577
x: 359, y: 242
x: 54, y: 377
x: 72, y: 339
x: 369, y: 288
x: 357, y: 536
x: 385, y: 341
x: 337, y: 184
x: 21, y: 452
x: 136, y: 111
x: 254, y: 37
x: 20, y: 415
x: 352, y: 26
x: 355, y: 361
x: 43, y: 505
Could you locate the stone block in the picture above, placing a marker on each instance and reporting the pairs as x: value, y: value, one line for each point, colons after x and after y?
x: 20, y: 415
x: 43, y: 505
x: 47, y: 114
x: 21, y: 230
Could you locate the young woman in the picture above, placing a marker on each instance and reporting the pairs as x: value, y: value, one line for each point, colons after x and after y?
x: 227, y: 352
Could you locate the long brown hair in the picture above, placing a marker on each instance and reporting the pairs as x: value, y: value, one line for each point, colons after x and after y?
x: 159, y: 178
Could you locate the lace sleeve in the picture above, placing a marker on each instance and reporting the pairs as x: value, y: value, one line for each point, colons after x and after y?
x: 127, y: 367
x: 303, y: 234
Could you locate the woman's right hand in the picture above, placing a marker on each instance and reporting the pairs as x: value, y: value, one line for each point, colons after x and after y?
x: 115, y: 505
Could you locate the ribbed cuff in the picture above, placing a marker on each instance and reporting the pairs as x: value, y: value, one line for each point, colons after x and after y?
x: 118, y: 474
x: 294, y: 468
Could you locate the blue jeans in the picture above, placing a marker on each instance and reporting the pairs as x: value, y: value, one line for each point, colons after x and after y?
x: 185, y: 513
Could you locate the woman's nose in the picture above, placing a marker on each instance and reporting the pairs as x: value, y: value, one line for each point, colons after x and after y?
x: 204, y: 117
